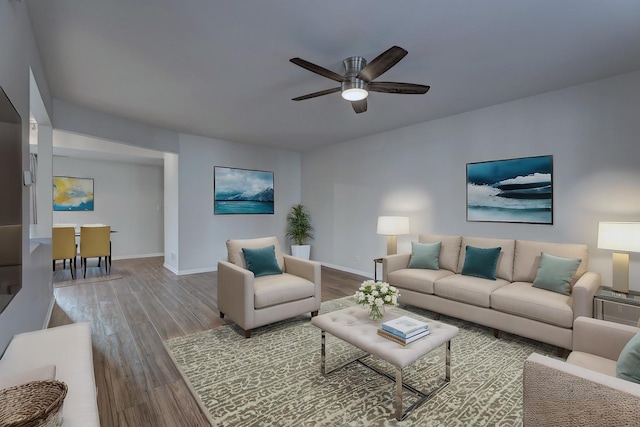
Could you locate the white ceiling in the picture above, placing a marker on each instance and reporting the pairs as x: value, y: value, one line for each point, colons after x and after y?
x: 221, y: 69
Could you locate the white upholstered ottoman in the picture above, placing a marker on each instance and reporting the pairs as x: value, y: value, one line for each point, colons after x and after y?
x: 353, y: 326
x: 69, y: 348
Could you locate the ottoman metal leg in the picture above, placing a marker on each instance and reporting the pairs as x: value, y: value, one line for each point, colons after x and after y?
x: 397, y: 403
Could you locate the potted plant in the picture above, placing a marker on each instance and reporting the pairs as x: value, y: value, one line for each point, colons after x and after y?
x: 299, y: 229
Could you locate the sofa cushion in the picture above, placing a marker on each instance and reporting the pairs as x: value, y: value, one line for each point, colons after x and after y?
x: 527, y: 258
x: 504, y: 269
x: 628, y: 365
x: 281, y: 288
x: 468, y: 289
x: 481, y: 262
x: 522, y: 299
x: 555, y: 273
x: 449, y: 249
x: 261, y: 261
x: 425, y: 255
x: 419, y: 280
x: 235, y: 255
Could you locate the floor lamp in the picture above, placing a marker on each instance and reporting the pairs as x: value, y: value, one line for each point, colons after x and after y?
x: 392, y: 226
x: 621, y: 237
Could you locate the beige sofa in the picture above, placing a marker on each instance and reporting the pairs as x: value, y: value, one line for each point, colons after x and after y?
x: 584, y: 390
x: 510, y: 303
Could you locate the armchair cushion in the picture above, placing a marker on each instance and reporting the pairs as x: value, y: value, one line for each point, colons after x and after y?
x: 628, y: 365
x: 555, y: 273
x: 262, y: 261
x: 274, y: 290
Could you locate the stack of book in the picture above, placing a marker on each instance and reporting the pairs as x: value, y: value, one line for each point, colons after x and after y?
x: 404, y: 330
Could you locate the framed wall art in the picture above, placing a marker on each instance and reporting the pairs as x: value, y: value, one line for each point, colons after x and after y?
x: 72, y: 194
x: 513, y: 190
x: 242, y: 191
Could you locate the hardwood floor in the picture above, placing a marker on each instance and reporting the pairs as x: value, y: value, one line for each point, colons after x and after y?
x: 130, y: 317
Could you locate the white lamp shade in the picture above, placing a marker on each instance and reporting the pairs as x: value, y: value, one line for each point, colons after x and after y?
x: 393, y: 225
x: 619, y: 236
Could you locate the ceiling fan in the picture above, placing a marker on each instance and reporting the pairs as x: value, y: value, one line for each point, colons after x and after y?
x: 358, y: 78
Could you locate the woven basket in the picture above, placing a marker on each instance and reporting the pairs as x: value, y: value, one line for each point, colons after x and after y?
x: 34, y: 404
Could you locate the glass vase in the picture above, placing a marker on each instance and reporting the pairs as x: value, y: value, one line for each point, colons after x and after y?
x: 376, y: 312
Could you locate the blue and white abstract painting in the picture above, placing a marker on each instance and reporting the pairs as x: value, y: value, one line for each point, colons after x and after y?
x: 242, y: 191
x: 513, y: 190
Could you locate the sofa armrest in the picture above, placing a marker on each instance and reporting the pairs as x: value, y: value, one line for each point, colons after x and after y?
x: 236, y: 293
x: 583, y: 291
x: 556, y: 393
x: 310, y: 270
x: 392, y: 263
x: 600, y: 337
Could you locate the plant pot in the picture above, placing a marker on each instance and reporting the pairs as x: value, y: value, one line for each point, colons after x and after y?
x: 301, y: 251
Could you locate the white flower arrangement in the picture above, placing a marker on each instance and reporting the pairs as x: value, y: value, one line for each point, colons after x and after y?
x: 376, y: 295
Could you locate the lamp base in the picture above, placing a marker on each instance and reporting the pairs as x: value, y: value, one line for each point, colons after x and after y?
x: 392, y: 245
x: 621, y: 272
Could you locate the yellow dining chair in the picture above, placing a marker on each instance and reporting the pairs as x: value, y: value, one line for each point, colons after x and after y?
x: 95, y: 242
x: 64, y: 248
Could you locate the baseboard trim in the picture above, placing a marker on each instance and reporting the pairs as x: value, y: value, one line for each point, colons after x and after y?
x: 348, y: 270
x: 170, y: 268
x: 138, y: 256
x: 49, y: 312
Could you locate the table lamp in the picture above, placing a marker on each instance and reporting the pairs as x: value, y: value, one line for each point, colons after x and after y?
x: 392, y: 226
x: 621, y: 237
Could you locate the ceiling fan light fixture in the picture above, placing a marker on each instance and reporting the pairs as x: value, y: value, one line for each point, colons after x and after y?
x: 354, y: 90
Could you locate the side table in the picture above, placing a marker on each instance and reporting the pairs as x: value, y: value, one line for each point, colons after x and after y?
x: 375, y: 268
x: 628, y: 301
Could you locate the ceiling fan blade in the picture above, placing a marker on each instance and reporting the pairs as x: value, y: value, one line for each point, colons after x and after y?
x: 359, y: 106
x: 403, y: 88
x: 317, y: 69
x: 316, y: 94
x: 382, y: 63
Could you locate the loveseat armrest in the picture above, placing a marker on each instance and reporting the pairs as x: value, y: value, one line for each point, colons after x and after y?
x: 391, y: 263
x: 583, y: 291
x: 601, y: 337
x: 236, y: 293
x: 557, y: 393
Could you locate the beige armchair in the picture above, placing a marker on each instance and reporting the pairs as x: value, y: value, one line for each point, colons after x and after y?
x: 584, y: 390
x: 251, y: 301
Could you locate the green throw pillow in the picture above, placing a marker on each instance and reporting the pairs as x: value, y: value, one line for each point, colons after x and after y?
x: 555, y: 273
x: 261, y: 261
x: 628, y: 365
x: 425, y: 255
x: 481, y: 262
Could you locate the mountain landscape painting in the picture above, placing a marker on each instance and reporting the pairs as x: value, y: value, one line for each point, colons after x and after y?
x: 242, y: 191
x: 514, y: 190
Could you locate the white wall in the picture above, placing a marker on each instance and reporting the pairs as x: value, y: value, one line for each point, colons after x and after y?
x: 203, y: 234
x: 18, y: 52
x: 129, y: 197
x: 591, y: 130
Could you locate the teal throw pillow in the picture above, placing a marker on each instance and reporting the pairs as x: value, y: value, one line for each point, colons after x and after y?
x: 425, y: 255
x: 262, y: 261
x: 628, y: 365
x: 555, y: 273
x: 481, y: 262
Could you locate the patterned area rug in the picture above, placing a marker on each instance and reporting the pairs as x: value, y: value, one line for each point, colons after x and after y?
x: 274, y: 379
